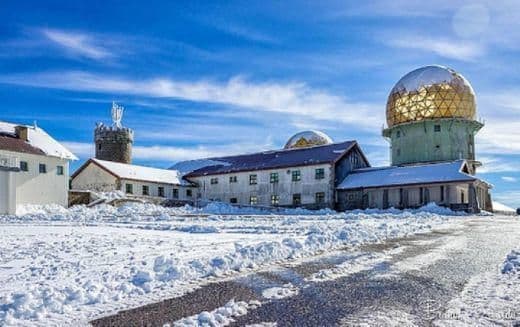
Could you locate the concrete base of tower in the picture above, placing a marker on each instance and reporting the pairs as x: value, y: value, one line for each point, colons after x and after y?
x: 433, y: 140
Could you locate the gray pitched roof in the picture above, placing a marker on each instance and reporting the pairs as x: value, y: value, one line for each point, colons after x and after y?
x: 407, y: 175
x: 265, y: 160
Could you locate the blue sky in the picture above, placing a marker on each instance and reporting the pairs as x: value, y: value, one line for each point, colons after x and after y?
x: 202, y: 79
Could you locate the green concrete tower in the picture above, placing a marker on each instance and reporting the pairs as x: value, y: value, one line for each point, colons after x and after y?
x: 431, y: 116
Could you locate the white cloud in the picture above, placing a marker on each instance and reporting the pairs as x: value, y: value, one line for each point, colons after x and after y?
x: 509, y: 179
x: 492, y: 164
x: 77, y: 43
x: 292, y: 99
x: 447, y: 48
x: 172, y: 153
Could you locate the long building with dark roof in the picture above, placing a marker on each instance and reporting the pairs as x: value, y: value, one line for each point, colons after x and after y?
x: 303, y: 174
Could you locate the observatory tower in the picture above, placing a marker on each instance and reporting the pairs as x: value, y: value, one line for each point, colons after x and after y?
x: 114, y: 143
x: 431, y: 116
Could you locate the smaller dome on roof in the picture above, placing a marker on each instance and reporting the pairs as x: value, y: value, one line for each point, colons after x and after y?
x: 307, y: 139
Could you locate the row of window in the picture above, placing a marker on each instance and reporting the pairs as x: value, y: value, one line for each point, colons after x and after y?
x: 273, y: 177
x: 145, y: 190
x: 42, y: 168
x: 436, y: 128
x: 275, y: 199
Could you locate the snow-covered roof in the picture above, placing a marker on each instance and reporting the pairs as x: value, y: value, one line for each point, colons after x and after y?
x: 497, y: 206
x: 406, y: 175
x: 188, y: 166
x: 39, y: 139
x: 139, y: 173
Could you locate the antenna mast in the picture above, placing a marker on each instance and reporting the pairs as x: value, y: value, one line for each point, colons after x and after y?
x: 117, y: 115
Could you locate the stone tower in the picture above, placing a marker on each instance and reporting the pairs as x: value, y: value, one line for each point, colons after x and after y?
x: 431, y: 117
x: 114, y: 143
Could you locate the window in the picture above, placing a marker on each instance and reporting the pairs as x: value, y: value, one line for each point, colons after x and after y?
x: 398, y: 134
x: 398, y: 152
x: 461, y: 196
x: 275, y: 199
x: 59, y: 170
x: 43, y: 169
x: 146, y: 190
x: 213, y: 181
x: 175, y: 193
x: 297, y: 199
x: 252, y: 180
x: 233, y: 179
x: 233, y: 200
x: 129, y: 188
x: 437, y: 128
x: 296, y: 176
x: 160, y: 191
x: 320, y: 173
x: 274, y: 178
x: 99, y: 146
x: 189, y: 193
x: 442, y: 193
x: 401, y: 196
x: 320, y: 197
x: 253, y: 200
x: 24, y: 166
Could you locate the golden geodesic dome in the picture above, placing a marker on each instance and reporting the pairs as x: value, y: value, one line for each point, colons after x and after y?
x: 430, y: 92
x: 307, y: 139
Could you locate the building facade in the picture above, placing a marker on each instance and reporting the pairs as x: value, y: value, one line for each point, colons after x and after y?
x: 108, y: 176
x: 34, y: 168
x: 303, y: 174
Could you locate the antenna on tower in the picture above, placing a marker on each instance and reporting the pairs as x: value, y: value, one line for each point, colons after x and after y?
x: 117, y: 114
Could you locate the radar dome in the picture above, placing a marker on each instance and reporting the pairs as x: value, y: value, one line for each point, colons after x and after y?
x: 307, y: 139
x: 430, y: 92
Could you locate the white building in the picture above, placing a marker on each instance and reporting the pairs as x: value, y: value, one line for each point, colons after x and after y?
x: 105, y: 176
x: 34, y: 168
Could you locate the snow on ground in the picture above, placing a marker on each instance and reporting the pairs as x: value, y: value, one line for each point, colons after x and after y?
x: 222, y: 316
x: 354, y: 264
x: 490, y: 299
x: 71, y: 265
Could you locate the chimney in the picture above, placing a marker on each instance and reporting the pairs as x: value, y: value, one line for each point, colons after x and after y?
x: 22, y: 132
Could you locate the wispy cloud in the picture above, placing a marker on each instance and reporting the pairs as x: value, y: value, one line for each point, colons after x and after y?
x: 509, y: 179
x: 447, y: 48
x: 78, y: 43
x: 493, y: 164
x: 171, y: 153
x: 296, y: 99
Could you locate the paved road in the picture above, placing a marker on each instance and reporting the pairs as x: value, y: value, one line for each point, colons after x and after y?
x: 408, y: 280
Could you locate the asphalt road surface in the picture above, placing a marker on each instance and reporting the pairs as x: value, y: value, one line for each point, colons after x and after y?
x: 411, y: 279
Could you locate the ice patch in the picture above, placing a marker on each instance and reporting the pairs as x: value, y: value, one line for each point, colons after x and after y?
x: 222, y: 316
x: 283, y: 292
